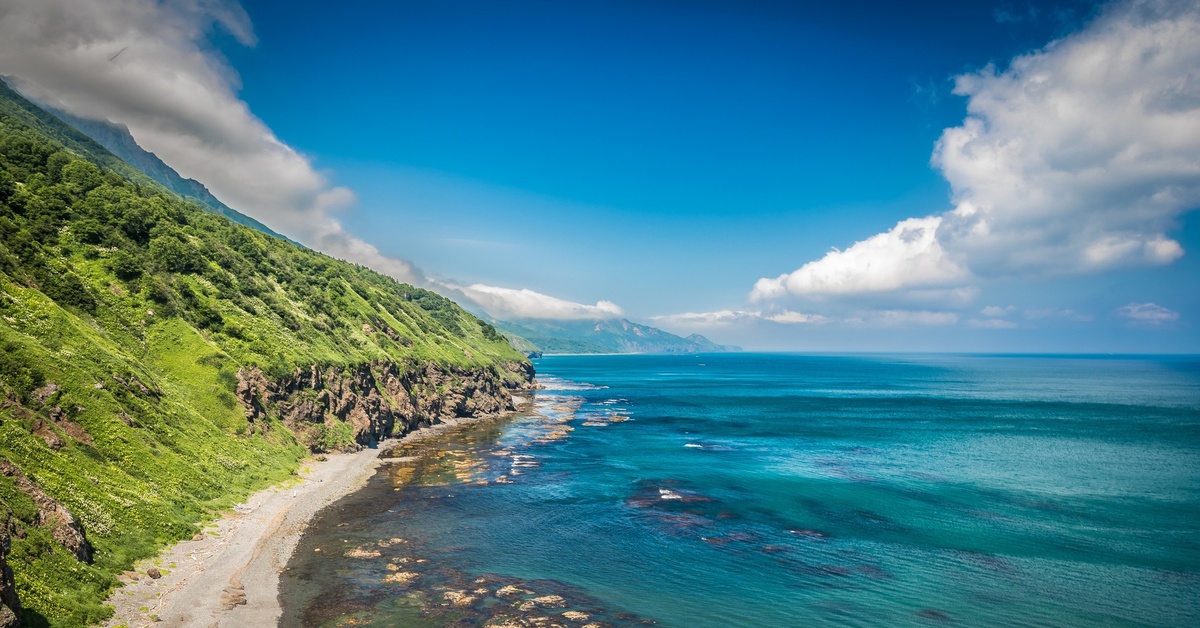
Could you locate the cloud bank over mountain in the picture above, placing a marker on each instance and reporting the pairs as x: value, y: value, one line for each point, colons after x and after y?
x: 525, y: 303
x: 1077, y: 158
x: 148, y: 65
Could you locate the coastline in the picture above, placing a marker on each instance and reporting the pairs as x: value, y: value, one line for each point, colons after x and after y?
x: 229, y: 574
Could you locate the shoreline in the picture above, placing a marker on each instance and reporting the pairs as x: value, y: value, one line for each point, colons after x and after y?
x: 228, y: 575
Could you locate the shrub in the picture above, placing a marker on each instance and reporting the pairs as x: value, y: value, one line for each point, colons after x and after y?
x: 68, y: 290
x: 125, y: 265
x: 171, y: 255
x: 90, y: 231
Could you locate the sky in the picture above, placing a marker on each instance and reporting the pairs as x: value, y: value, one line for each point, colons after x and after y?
x: 856, y: 176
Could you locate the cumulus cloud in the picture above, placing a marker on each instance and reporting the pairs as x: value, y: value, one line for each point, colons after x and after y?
x: 525, y: 303
x: 1082, y: 155
x: 147, y: 64
x: 729, y: 317
x: 908, y: 255
x: 1076, y: 158
x: 1150, y: 314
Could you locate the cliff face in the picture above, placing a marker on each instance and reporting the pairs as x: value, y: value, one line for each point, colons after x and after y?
x: 52, y: 514
x: 369, y: 402
x: 10, y: 606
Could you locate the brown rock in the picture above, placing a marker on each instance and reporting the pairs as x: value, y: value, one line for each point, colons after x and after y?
x: 10, y: 604
x: 378, y: 400
x: 64, y: 527
x: 45, y: 392
x: 154, y: 573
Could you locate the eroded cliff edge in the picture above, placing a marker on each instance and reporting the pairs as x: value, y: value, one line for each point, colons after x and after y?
x: 351, y: 407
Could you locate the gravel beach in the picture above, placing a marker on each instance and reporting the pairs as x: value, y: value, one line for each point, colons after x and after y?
x: 229, y: 575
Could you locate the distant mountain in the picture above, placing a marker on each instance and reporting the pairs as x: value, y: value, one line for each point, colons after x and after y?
x: 599, y: 336
x: 708, y: 346
x: 115, y: 138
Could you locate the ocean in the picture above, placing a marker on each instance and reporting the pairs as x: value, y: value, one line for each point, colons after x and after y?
x: 785, y: 490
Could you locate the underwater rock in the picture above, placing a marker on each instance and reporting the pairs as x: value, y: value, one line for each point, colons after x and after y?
x: 459, y: 598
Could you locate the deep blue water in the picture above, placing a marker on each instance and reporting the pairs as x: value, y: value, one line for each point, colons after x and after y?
x: 790, y: 490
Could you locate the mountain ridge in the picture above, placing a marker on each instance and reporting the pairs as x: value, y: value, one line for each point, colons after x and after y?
x: 117, y: 139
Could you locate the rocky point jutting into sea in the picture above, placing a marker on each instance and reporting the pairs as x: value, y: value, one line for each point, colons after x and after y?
x: 380, y: 400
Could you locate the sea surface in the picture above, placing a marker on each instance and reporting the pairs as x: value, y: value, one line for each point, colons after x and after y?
x: 786, y: 490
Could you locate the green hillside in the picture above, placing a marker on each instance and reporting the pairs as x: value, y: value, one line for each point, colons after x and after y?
x: 159, y: 362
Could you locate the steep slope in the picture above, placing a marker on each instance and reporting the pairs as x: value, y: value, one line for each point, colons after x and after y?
x: 599, y: 336
x: 116, y: 138
x: 159, y: 362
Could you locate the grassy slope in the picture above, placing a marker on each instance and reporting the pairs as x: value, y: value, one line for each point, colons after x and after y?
x: 141, y: 308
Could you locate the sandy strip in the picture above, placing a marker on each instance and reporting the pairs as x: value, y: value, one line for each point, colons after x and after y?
x: 229, y: 576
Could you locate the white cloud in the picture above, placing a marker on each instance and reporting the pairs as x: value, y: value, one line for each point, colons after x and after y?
x: 995, y: 311
x: 1078, y: 157
x: 1051, y: 313
x: 908, y: 255
x: 794, y: 318
x: 991, y: 323
x: 525, y: 303
x: 902, y: 318
x: 862, y: 318
x: 1147, y: 313
x: 730, y: 317
x: 179, y: 100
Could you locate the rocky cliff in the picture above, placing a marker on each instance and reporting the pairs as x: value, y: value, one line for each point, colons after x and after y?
x: 347, y: 408
x: 10, y: 606
x: 52, y: 515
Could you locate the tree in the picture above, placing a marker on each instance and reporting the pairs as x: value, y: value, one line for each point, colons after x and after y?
x: 67, y: 289
x: 174, y: 256
x: 81, y: 176
x: 125, y: 265
x: 90, y: 231
x: 8, y: 185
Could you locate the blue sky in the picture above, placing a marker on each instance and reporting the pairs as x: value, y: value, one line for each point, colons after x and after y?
x: 692, y: 164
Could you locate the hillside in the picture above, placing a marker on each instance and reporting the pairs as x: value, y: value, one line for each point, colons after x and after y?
x: 599, y: 336
x: 160, y: 362
x: 116, y: 139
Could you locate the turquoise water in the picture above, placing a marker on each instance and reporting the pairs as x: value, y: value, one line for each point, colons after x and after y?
x: 789, y: 490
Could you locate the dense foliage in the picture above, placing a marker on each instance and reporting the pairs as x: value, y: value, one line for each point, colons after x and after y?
x: 125, y: 313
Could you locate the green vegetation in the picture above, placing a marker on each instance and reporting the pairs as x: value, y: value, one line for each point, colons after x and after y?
x: 125, y: 315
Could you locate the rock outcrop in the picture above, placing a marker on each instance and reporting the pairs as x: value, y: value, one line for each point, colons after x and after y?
x: 377, y: 400
x: 10, y: 606
x: 52, y: 514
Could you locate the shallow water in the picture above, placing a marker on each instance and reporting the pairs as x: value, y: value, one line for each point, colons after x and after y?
x: 782, y: 490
